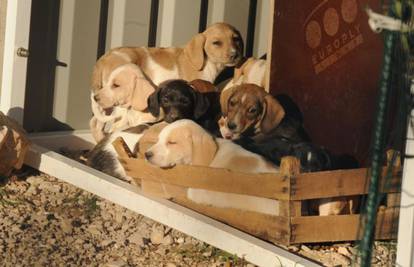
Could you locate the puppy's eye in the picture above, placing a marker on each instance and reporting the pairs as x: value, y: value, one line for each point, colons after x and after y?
x: 171, y: 143
x: 115, y: 85
x: 252, y: 110
x: 217, y: 43
x: 233, y: 103
x: 236, y: 39
x: 165, y: 99
x: 184, y: 100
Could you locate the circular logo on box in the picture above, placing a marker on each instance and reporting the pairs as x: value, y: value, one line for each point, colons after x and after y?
x: 331, y: 21
x: 349, y: 10
x: 313, y: 34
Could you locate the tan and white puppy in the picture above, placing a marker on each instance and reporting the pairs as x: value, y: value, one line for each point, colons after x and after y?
x: 185, y: 142
x: 204, y: 57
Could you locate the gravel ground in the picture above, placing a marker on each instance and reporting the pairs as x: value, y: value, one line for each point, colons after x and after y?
x: 46, y: 222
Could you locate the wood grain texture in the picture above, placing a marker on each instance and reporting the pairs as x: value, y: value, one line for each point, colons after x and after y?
x: 262, y: 185
x: 311, y: 229
x: 338, y: 183
x: 271, y: 228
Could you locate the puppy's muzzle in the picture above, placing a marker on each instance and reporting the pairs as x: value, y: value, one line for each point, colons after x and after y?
x: 231, y: 125
x: 148, y: 155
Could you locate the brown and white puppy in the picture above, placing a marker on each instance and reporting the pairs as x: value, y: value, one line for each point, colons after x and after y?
x: 248, y: 109
x: 204, y: 57
x: 185, y: 142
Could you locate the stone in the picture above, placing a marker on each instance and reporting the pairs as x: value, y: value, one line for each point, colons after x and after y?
x: 170, y: 264
x: 136, y: 238
x: 344, y: 251
x: 293, y: 248
x: 117, y: 263
x: 157, y: 235
x: 305, y: 248
x: 341, y: 259
x: 167, y: 240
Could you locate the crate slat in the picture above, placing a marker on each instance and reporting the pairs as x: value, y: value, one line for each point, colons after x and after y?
x: 270, y: 185
x: 271, y: 228
x: 337, y: 183
x: 308, y: 229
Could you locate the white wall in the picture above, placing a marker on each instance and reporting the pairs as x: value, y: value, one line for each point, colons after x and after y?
x: 3, y: 8
x: 77, y: 44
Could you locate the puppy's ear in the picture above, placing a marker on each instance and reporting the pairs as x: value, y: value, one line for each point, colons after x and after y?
x: 96, y: 81
x: 154, y: 103
x: 201, y: 104
x: 194, y: 51
x: 273, y: 114
x: 239, y: 71
x: 143, y: 90
x: 204, y: 149
x: 224, y: 99
x: 203, y: 86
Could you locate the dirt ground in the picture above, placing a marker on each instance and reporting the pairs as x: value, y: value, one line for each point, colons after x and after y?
x: 47, y: 222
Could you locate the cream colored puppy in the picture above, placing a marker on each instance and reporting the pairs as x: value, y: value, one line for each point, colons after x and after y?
x: 253, y: 71
x: 185, y: 142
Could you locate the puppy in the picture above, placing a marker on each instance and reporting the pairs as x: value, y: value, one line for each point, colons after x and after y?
x: 177, y: 99
x: 252, y: 71
x: 185, y: 142
x: 267, y: 128
x: 103, y: 156
x: 203, y: 57
x: 122, y: 102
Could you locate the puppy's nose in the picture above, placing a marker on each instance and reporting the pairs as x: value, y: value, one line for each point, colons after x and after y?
x: 231, y: 125
x: 96, y: 98
x: 148, y: 154
x: 233, y: 53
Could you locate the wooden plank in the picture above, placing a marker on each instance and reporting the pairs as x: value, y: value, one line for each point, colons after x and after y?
x: 165, y: 191
x: 289, y: 169
x: 272, y: 228
x: 270, y: 185
x: 189, y: 222
x: 314, y: 229
x: 338, y: 183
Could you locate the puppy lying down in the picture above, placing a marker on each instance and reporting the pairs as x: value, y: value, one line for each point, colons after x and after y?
x: 185, y: 142
x: 103, y: 156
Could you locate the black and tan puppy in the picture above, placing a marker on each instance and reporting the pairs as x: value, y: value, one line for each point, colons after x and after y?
x: 178, y: 99
x: 273, y: 128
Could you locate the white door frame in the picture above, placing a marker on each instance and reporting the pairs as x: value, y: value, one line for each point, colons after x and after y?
x: 14, y: 67
x: 405, y: 244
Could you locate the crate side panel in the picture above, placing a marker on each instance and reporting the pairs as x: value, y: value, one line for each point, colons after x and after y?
x: 338, y: 183
x: 222, y: 180
x: 270, y: 228
x: 311, y: 229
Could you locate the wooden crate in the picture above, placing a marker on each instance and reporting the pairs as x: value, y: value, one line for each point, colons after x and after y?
x: 292, y: 190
